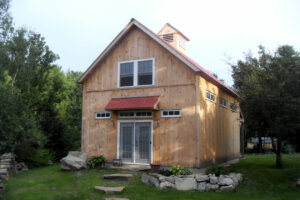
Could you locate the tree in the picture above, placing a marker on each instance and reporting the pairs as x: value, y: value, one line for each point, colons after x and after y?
x: 269, y: 93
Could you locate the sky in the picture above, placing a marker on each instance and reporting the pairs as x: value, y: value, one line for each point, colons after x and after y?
x: 219, y: 31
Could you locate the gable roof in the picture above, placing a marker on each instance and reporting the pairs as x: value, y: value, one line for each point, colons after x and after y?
x: 175, y: 29
x: 182, y: 57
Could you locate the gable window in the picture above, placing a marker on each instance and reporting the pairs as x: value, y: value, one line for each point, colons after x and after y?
x: 168, y: 37
x: 136, y: 73
x: 210, y: 96
x: 134, y: 114
x: 103, y: 115
x: 126, y: 74
x: 145, y: 72
x: 223, y: 102
x: 171, y: 113
x: 233, y: 107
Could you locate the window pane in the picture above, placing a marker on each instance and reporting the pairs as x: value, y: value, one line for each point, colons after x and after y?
x: 208, y: 95
x: 98, y: 115
x: 107, y: 114
x: 165, y: 113
x: 171, y: 112
x: 126, y: 74
x: 149, y: 114
x: 177, y: 112
x: 145, y: 72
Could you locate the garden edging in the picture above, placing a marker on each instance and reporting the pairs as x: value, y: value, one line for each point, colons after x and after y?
x: 199, y: 182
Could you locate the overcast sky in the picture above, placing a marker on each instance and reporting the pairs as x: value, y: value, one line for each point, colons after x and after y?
x: 78, y: 31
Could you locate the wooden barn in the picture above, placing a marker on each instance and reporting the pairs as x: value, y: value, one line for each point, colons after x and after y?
x: 145, y: 101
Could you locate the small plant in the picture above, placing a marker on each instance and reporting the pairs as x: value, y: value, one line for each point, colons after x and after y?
x: 165, y: 172
x: 217, y: 170
x: 178, y: 170
x: 97, y: 161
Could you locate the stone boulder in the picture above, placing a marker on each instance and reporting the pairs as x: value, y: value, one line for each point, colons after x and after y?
x: 150, y: 180
x: 227, y: 188
x: 201, y: 177
x: 185, y: 184
x: 213, y: 179
x: 298, y: 182
x: 75, y: 160
x: 170, y: 179
x: 211, y: 187
x: 201, y: 187
x: 225, y: 181
x: 166, y: 185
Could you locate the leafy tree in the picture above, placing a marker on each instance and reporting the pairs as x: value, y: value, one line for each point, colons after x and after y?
x: 269, y: 93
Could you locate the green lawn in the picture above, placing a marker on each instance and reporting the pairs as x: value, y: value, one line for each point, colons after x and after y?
x: 261, y: 181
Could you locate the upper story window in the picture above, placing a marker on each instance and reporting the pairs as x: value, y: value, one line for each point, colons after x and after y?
x: 233, y: 107
x: 182, y: 42
x: 210, y: 96
x: 223, y: 102
x: 136, y: 73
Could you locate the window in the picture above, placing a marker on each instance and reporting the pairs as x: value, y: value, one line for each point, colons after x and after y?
x: 136, y: 73
x: 168, y: 37
x: 103, y: 115
x: 182, y: 42
x: 171, y: 113
x: 233, y: 107
x: 210, y: 96
x: 223, y: 102
x: 145, y: 72
x: 126, y: 74
x: 135, y: 114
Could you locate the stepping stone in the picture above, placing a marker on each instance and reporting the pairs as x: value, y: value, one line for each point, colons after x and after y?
x: 110, y: 190
x: 117, y: 176
x: 115, y: 198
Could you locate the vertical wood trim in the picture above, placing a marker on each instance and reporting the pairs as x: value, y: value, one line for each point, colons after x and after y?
x: 197, y: 116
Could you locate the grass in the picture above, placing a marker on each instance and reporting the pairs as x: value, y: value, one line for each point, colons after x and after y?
x: 261, y: 181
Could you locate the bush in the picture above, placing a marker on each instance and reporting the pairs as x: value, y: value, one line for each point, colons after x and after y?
x: 217, y: 170
x: 41, y: 157
x: 178, y: 170
x: 95, y: 160
x: 165, y: 172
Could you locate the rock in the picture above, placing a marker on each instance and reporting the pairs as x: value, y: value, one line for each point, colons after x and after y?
x: 75, y: 160
x: 238, y: 176
x: 166, y: 185
x: 156, y: 175
x: 210, y: 187
x: 201, y: 177
x: 201, y: 187
x: 167, y: 178
x: 150, y: 180
x: 109, y: 190
x: 185, y: 184
x: 298, y: 182
x: 227, y: 188
x: 225, y: 181
x: 7, y: 156
x: 117, y: 176
x: 213, y: 179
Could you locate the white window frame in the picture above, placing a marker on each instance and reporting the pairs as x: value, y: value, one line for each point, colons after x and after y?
x: 210, y: 94
x: 162, y: 111
x: 101, y: 112
x: 235, y: 107
x: 134, y: 115
x: 225, y: 106
x: 135, y: 73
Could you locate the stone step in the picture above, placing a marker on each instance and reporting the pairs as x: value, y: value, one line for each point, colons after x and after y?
x: 110, y: 190
x: 3, y: 171
x: 115, y: 198
x: 117, y: 176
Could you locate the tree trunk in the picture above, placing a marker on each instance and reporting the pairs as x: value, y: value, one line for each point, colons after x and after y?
x: 278, y: 154
x: 259, y: 144
x: 273, y: 145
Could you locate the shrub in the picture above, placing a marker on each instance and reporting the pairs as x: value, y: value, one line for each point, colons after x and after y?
x: 41, y: 157
x: 216, y: 169
x: 165, y: 172
x: 178, y: 170
x: 95, y: 160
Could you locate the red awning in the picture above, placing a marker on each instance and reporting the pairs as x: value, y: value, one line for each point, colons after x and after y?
x: 131, y: 103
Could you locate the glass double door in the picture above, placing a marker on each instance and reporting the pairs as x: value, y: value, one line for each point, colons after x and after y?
x: 135, y: 142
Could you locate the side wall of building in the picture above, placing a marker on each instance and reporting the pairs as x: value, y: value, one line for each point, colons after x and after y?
x: 219, y: 126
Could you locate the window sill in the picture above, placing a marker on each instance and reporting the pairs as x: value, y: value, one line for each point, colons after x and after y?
x: 132, y: 87
x: 224, y: 106
x: 210, y: 100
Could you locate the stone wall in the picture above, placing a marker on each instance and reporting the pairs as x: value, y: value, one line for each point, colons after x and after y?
x: 200, y: 182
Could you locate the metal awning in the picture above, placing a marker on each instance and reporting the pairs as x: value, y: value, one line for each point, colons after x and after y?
x: 133, y: 103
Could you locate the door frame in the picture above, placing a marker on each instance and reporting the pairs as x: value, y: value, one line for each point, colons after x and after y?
x: 151, y: 140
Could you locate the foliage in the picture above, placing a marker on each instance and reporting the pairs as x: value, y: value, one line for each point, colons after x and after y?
x: 40, y: 104
x: 165, y: 172
x: 269, y: 94
x: 216, y: 169
x: 261, y: 181
x: 178, y: 170
x: 95, y: 160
